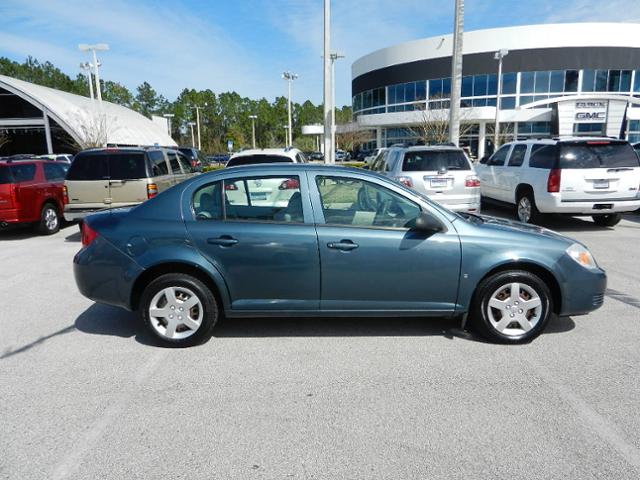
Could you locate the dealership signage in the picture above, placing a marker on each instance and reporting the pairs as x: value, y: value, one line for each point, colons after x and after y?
x: 592, y: 111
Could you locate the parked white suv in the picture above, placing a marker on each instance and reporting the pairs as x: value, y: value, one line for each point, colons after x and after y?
x: 599, y: 177
x: 267, y: 155
x: 442, y: 172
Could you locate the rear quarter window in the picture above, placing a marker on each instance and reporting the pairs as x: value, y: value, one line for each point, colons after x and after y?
x: 5, y: 175
x: 17, y: 173
x: 543, y: 156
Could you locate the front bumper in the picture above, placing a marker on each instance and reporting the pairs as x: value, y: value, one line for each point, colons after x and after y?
x: 583, y: 289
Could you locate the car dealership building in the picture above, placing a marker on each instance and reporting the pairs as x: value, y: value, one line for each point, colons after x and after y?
x: 557, y: 79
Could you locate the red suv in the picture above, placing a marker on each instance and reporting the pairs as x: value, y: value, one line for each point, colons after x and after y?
x: 32, y: 191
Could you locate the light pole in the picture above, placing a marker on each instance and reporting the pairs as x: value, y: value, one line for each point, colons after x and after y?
x: 197, y: 109
x: 499, y: 55
x: 289, y: 77
x: 334, y: 57
x: 168, y: 116
x: 86, y: 66
x: 286, y: 134
x: 456, y: 74
x: 326, y: 78
x: 93, y: 48
x: 193, y: 140
x: 253, y: 130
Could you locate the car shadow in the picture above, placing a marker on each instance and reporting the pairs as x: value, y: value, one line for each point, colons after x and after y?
x: 559, y: 223
x: 75, y: 237
x: 23, y: 232
x: 106, y: 320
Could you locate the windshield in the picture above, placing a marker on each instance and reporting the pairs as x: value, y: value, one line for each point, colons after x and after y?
x: 255, y: 159
x: 435, y: 160
x: 597, y: 154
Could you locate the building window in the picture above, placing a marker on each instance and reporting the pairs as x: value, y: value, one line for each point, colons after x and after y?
x: 509, y: 83
x: 527, y: 81
x: 571, y: 81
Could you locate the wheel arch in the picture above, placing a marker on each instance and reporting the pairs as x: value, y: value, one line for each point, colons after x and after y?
x: 528, y: 266
x: 216, y: 285
x: 522, y: 188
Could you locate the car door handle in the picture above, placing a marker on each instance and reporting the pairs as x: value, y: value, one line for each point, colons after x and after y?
x: 223, y: 241
x: 344, y: 245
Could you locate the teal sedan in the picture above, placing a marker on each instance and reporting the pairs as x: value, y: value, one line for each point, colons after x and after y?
x: 309, y: 240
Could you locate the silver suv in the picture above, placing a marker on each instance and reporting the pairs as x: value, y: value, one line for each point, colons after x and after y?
x: 442, y: 172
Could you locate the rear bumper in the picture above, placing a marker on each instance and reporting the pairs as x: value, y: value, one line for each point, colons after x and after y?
x: 76, y: 212
x: 552, y: 203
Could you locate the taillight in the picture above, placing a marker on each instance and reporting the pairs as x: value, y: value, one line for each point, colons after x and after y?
x: 406, y: 181
x: 472, y: 181
x: 553, y: 182
x: 289, y: 184
x: 152, y: 190
x: 88, y: 235
x: 65, y: 195
x: 230, y: 186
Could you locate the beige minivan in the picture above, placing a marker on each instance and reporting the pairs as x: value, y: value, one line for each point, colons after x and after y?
x: 102, y: 178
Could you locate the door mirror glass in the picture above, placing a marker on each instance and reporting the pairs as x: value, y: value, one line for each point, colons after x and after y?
x: 426, y: 223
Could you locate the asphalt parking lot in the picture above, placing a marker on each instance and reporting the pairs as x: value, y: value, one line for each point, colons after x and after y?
x: 84, y: 392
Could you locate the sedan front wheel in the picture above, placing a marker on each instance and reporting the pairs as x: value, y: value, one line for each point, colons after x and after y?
x: 511, y: 307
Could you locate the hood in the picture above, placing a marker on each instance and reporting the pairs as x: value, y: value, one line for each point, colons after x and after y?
x: 504, y: 225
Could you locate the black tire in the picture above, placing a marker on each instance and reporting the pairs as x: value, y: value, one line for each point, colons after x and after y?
x: 608, y: 220
x: 210, y: 313
x: 49, y: 219
x: 479, y: 312
x: 534, y: 215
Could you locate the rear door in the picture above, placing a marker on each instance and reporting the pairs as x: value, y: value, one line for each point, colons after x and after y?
x: 598, y: 170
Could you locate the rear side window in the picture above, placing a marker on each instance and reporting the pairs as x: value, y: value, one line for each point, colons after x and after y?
x: 435, y: 160
x: 597, y: 154
x: 207, y: 202
x: 53, y: 172
x: 17, y: 173
x: 256, y: 159
x: 5, y: 175
x: 517, y: 156
x: 173, y: 162
x: 543, y: 156
x: 158, y: 164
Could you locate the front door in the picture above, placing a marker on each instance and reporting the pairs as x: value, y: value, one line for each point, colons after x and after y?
x: 371, y: 261
x: 258, y: 232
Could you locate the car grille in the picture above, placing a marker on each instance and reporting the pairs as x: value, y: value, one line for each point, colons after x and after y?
x: 598, y: 300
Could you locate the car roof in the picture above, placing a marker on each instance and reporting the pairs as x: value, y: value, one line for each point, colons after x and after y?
x: 567, y: 139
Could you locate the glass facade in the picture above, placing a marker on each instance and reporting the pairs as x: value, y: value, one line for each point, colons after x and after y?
x: 518, y: 89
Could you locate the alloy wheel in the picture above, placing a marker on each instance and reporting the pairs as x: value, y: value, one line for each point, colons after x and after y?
x: 50, y: 219
x: 524, y: 209
x: 176, y: 313
x: 514, y: 309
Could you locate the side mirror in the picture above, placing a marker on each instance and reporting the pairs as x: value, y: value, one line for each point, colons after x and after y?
x: 484, y: 159
x: 426, y: 223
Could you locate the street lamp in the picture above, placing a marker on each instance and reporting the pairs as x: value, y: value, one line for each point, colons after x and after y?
x: 289, y: 77
x: 197, y: 109
x: 286, y: 134
x: 499, y: 55
x: 326, y: 80
x: 253, y: 129
x: 168, y: 116
x: 86, y: 66
x: 193, y: 140
x: 334, y: 57
x: 93, y: 48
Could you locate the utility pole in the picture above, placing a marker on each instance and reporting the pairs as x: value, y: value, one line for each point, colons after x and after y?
x: 456, y: 74
x: 499, y: 55
x: 334, y: 57
x: 289, y: 77
x: 197, y: 109
x: 253, y: 130
x: 328, y: 107
x: 193, y: 140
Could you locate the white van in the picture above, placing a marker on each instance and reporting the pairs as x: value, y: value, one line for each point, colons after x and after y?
x: 598, y: 177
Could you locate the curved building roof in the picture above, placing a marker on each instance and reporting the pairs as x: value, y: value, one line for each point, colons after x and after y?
x: 531, y: 47
x: 80, y: 115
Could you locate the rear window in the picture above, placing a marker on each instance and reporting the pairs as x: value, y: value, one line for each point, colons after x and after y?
x: 597, y: 154
x: 435, y: 160
x: 17, y: 173
x: 116, y: 166
x: 254, y: 159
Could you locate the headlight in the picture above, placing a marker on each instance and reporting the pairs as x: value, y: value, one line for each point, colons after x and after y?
x: 581, y: 255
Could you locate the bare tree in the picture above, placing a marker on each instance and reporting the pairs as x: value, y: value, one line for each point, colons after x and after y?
x: 433, y: 126
x: 350, y: 136
x: 4, y: 138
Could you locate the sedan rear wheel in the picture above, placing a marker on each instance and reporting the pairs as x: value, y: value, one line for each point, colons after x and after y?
x: 512, y: 307
x: 179, y: 309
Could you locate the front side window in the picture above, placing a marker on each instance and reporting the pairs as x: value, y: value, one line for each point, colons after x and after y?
x: 498, y: 158
x: 517, y: 156
x: 158, y: 164
x: 185, y: 164
x: 173, y: 162
x: 353, y: 202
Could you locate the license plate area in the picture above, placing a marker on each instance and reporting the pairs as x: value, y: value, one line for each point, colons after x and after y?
x: 603, y: 206
x: 438, y: 182
x: 601, y: 184
x: 258, y: 195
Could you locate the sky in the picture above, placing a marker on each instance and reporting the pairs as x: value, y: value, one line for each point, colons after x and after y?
x: 245, y: 45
